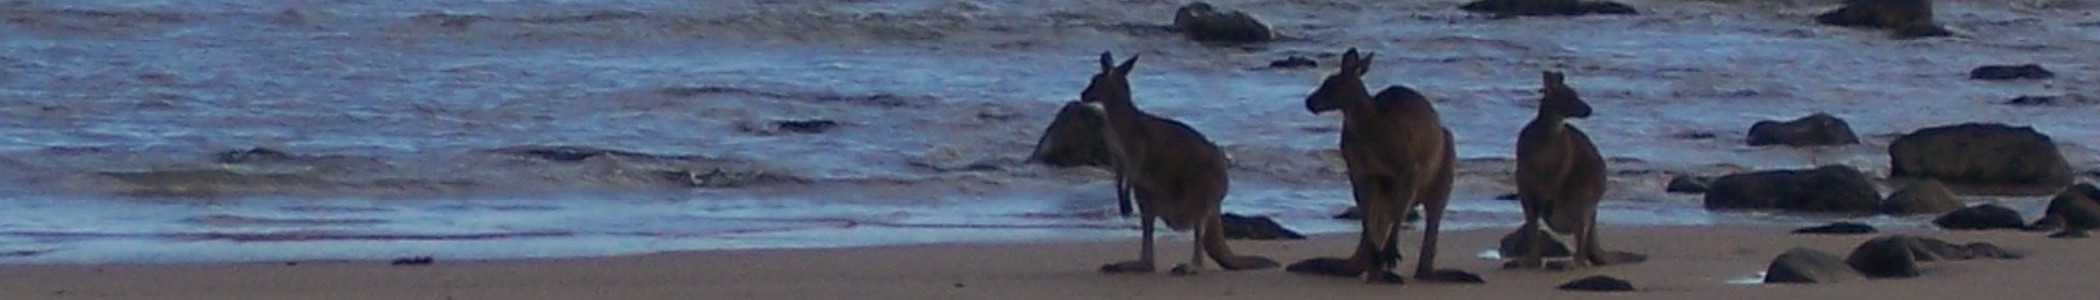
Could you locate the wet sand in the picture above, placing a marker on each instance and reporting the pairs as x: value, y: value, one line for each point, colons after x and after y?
x: 1688, y: 263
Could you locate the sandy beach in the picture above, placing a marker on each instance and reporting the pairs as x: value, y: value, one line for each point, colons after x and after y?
x: 1688, y: 263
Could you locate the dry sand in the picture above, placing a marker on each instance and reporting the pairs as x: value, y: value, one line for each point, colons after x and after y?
x: 1688, y: 263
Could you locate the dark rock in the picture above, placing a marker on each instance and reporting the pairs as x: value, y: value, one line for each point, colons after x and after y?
x: 1688, y: 184
x: 1293, y: 62
x: 1696, y: 135
x: 1885, y: 257
x: 1987, y: 250
x: 1355, y: 214
x: 1507, y: 197
x: 1074, y: 139
x: 1547, y: 7
x: 1804, y: 265
x: 2075, y: 209
x: 250, y: 155
x: 1599, y: 283
x: 1981, y: 217
x: 2070, y: 234
x: 1256, y: 228
x: 1905, y: 18
x: 1515, y: 245
x: 1926, y: 197
x: 414, y: 261
x: 806, y: 126
x: 1454, y: 276
x: 2010, y: 72
x: 580, y: 153
x: 1838, y: 228
x: 1833, y: 188
x: 1818, y: 129
x: 2058, y: 100
x: 1978, y: 156
x: 1201, y: 22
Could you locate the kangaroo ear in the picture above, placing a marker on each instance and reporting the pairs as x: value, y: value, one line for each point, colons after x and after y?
x: 1107, y: 61
x: 1350, y: 59
x: 1363, y: 65
x: 1552, y: 78
x: 1124, y: 70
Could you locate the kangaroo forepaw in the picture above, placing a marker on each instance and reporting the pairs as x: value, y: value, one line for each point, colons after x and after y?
x: 1385, y: 277
x: 1187, y: 270
x: 1135, y: 266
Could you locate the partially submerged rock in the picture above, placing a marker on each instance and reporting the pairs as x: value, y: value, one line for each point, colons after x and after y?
x: 1906, y: 19
x: 1074, y: 139
x: 1982, y: 158
x: 1201, y: 22
x: 1838, y: 228
x: 1981, y: 217
x: 1925, y: 197
x: 1804, y: 265
x: 1547, y: 7
x: 1833, y: 188
x: 2010, y: 72
x: 1256, y: 228
x: 1818, y: 129
x: 1688, y: 184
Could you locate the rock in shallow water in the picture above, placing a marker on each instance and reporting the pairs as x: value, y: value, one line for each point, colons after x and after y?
x: 1818, y: 129
x: 1838, y: 228
x: 1204, y: 23
x: 1981, y: 217
x: 2011, y: 72
x: 1256, y: 228
x: 1833, y: 188
x: 1982, y: 156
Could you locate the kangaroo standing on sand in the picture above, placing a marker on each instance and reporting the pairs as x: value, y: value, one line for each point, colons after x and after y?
x: 1177, y: 174
x: 1399, y: 155
x: 1560, y: 178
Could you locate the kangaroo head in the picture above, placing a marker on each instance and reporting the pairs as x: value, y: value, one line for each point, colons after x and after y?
x: 1348, y: 82
x: 1112, y: 84
x: 1560, y: 99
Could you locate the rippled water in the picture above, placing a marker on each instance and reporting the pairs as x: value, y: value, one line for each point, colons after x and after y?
x: 256, y: 130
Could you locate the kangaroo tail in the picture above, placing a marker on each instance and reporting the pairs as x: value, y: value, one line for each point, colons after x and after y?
x: 1213, y: 235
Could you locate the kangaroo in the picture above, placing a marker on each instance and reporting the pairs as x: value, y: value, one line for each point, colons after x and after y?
x: 1399, y: 155
x: 1560, y: 179
x: 1178, y: 176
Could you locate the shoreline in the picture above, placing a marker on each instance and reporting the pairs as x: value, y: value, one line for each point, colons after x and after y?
x: 1687, y: 262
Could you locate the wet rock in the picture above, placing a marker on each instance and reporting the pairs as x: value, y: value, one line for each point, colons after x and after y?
x: 1073, y: 139
x: 1508, y: 197
x: 2055, y: 100
x: 1981, y: 217
x: 1547, y: 7
x: 1256, y: 228
x: 575, y: 153
x: 1982, y: 158
x: 1293, y: 62
x: 1695, y: 135
x: 1885, y: 257
x: 1202, y: 22
x: 1926, y: 197
x: 1906, y: 19
x: 414, y: 261
x: 1818, y: 129
x: 2075, y: 209
x: 806, y: 126
x: 1599, y: 283
x: 1687, y: 184
x: 1833, y: 188
x: 1515, y: 244
x: 1838, y: 228
x: 2011, y: 72
x: 1804, y: 265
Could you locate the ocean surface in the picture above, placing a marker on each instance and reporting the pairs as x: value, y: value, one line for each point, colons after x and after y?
x: 250, y: 130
